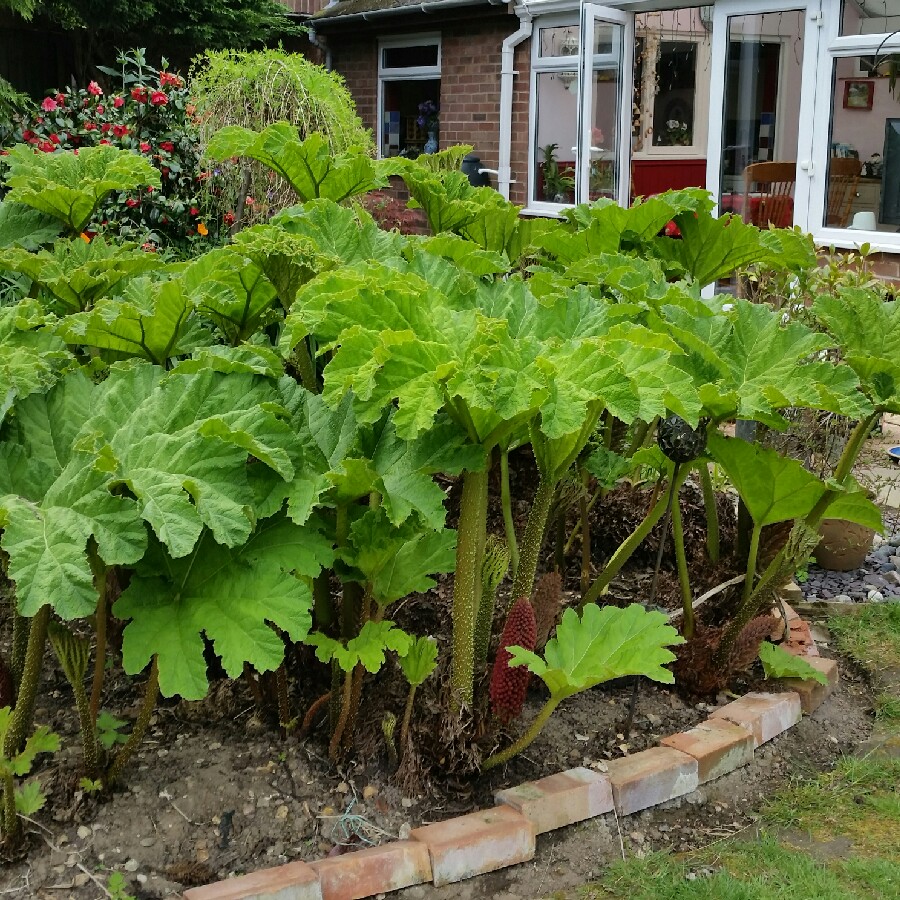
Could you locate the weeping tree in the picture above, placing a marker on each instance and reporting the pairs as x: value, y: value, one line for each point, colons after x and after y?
x: 257, y: 89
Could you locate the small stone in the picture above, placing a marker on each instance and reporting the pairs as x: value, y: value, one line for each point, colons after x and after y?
x: 405, y: 829
x: 637, y: 837
x: 370, y: 791
x: 148, y: 841
x: 406, y: 802
x: 875, y: 597
x: 281, y: 813
x: 843, y: 598
x: 141, y: 878
x: 131, y: 865
x: 83, y: 832
x: 80, y: 879
x: 215, y: 745
x: 248, y: 809
x: 343, y: 788
x: 263, y: 802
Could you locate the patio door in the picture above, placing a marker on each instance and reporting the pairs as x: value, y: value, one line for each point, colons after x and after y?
x: 604, y: 104
x: 762, y: 93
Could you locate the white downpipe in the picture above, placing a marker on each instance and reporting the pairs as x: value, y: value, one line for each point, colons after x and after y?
x: 507, y: 83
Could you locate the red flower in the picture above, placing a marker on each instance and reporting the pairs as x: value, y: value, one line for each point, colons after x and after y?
x: 27, y: 134
x: 100, y: 110
x: 139, y: 94
x: 228, y: 218
x: 105, y: 128
x: 90, y: 126
x: 249, y: 201
x: 104, y: 141
x: 46, y: 146
x: 95, y: 89
x: 145, y: 147
x: 119, y: 102
x: 54, y: 138
x: 49, y: 104
x: 195, y: 211
x: 158, y: 98
x: 150, y: 248
x: 168, y: 146
x: 151, y: 189
x: 165, y: 171
x: 120, y: 130
x: 168, y: 78
x: 131, y: 203
x: 60, y: 99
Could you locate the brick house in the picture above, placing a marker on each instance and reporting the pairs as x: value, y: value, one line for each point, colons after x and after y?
x: 662, y: 94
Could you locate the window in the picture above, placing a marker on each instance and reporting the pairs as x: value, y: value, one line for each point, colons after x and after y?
x: 861, y: 154
x: 409, y: 91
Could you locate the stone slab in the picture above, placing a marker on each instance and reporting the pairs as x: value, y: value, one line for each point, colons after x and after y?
x: 476, y: 843
x: 561, y: 799
x: 765, y: 715
x: 812, y: 693
x: 295, y: 881
x: 651, y: 777
x: 719, y: 746
x: 375, y: 870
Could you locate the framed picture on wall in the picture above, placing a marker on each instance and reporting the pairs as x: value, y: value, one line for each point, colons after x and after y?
x: 858, y: 94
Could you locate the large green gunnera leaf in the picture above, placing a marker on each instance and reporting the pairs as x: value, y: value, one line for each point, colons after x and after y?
x: 601, y: 645
x: 21, y: 226
x: 233, y: 597
x: 70, y: 186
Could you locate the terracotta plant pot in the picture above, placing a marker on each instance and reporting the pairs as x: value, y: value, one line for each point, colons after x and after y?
x: 844, y: 545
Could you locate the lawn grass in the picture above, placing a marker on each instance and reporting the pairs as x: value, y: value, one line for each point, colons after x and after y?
x: 858, y: 802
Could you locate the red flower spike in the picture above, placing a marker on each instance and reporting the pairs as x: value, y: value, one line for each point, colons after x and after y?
x: 510, y: 685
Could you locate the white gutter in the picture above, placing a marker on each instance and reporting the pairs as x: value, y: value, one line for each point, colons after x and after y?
x: 507, y: 83
x: 319, y: 44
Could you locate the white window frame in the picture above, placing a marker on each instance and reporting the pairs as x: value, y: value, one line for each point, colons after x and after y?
x: 697, y: 148
x: 403, y: 73
x: 837, y: 47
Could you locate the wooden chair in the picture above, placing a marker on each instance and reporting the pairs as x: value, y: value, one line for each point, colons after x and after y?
x: 843, y: 178
x: 772, y: 187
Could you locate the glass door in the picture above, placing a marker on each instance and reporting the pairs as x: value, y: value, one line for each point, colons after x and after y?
x: 759, y: 163
x: 604, y: 104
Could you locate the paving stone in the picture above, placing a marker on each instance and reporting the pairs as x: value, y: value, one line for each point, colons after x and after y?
x: 295, y: 881
x: 476, y: 843
x: 791, y: 593
x: 719, y: 746
x: 765, y: 715
x: 375, y: 870
x: 812, y: 693
x: 561, y: 799
x: 651, y: 777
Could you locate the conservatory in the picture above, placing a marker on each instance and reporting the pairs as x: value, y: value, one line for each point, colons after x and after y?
x: 788, y: 112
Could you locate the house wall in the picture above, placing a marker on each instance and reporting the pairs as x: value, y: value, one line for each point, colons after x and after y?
x: 470, y: 86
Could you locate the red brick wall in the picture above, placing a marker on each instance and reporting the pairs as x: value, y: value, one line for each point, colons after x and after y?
x: 470, y: 88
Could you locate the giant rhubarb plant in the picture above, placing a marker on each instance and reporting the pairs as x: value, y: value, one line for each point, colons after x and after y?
x: 599, y: 646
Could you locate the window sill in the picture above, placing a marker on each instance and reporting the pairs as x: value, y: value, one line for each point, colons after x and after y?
x: 844, y: 239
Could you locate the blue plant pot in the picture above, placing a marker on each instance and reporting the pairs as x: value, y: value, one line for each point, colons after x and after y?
x: 431, y: 145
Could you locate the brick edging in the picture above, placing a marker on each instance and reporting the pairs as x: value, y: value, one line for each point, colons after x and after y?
x: 490, y: 839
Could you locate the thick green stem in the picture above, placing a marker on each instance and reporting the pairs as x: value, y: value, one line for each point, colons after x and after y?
x: 323, y: 608
x: 533, y: 731
x: 11, y: 824
x: 533, y: 539
x: 21, y: 628
x: 100, y: 617
x: 712, y: 512
x: 88, y: 728
x: 305, y: 367
x: 508, y: 524
x: 20, y: 723
x: 684, y: 580
x: 359, y: 671
x: 631, y: 543
x: 467, y: 584
x: 335, y: 746
x: 141, y: 724
x: 585, y: 515
x: 407, y: 716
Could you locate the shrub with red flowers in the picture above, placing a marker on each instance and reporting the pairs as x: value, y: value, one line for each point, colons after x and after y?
x: 148, y: 111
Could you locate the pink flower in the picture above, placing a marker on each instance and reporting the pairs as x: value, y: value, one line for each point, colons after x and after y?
x: 95, y: 89
x: 158, y: 98
x: 119, y: 102
x: 100, y: 110
x: 49, y: 104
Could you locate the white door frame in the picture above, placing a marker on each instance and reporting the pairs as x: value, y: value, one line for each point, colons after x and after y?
x: 722, y: 11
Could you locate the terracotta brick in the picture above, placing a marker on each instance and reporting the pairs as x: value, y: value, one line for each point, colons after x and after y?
x: 561, y: 799
x: 375, y: 870
x: 295, y: 881
x: 800, y: 641
x: 766, y: 715
x: 812, y: 693
x: 479, y: 842
x: 719, y: 746
x: 650, y: 777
